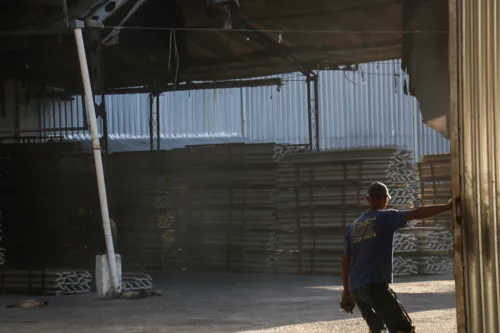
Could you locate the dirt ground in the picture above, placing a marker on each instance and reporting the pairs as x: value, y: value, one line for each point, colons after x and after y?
x: 239, y: 303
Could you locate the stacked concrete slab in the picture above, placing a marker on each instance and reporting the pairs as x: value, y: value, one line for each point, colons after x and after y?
x: 45, y: 191
x: 136, y: 281
x: 427, y: 247
x: 435, y: 186
x: 141, y: 207
x: 422, y: 250
x: 225, y: 219
x: 319, y: 193
x: 47, y: 282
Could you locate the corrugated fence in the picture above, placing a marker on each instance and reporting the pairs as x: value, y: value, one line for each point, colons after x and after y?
x: 363, y: 108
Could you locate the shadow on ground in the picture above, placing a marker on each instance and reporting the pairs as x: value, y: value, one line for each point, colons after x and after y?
x: 196, y: 302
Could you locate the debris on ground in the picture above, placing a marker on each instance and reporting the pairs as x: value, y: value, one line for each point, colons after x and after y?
x: 28, y: 304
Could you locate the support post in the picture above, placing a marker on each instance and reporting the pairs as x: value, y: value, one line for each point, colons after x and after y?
x: 158, y: 126
x: 17, y: 104
x: 312, y: 111
x: 154, y: 122
x: 243, y: 113
x: 105, y: 130
x: 98, y: 161
x: 151, y: 122
x: 316, y: 109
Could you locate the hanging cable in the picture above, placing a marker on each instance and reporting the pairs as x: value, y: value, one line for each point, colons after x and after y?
x: 362, y: 74
x: 283, y: 31
x: 173, y: 40
x: 345, y: 76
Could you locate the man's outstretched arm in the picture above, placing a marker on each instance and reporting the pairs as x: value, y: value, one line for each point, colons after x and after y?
x: 427, y: 211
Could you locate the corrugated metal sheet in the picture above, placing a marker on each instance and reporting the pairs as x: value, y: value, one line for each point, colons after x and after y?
x: 476, y: 159
x: 363, y: 108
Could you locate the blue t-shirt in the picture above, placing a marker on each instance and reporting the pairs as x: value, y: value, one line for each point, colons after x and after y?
x: 369, y: 242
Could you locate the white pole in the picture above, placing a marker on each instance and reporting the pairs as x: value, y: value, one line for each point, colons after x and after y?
x: 98, y: 160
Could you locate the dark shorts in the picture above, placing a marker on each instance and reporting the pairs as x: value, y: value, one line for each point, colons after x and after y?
x: 381, y: 309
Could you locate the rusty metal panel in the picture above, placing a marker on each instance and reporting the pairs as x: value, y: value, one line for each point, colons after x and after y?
x: 476, y: 152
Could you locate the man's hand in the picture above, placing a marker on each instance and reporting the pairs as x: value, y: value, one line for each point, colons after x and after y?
x: 347, y: 302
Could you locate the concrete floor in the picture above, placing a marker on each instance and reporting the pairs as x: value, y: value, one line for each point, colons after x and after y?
x: 231, y: 303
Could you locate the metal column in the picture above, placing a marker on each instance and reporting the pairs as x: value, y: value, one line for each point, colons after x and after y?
x: 151, y: 126
x: 158, y: 123
x: 154, y: 122
x: 312, y: 111
x: 475, y: 134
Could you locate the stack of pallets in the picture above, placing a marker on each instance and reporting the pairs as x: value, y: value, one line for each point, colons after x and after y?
x: 320, y: 193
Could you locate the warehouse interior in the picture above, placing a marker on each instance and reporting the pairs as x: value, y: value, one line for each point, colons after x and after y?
x: 223, y: 204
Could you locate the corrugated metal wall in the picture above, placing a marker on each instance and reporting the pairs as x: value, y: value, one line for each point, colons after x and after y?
x: 475, y: 161
x: 363, y: 108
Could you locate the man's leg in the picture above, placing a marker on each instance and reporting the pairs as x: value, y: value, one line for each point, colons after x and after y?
x: 375, y: 324
x: 387, y: 306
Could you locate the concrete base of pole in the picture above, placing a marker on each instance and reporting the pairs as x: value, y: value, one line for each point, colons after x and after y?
x: 103, y: 279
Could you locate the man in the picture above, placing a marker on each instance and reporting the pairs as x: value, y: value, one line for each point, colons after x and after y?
x: 367, y: 262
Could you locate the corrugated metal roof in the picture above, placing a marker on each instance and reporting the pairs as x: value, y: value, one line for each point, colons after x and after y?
x: 363, y: 108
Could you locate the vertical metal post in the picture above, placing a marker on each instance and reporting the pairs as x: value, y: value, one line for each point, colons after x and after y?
x: 243, y: 113
x: 309, y: 114
x: 158, y: 126
x: 54, y: 126
x: 475, y: 135
x: 17, y: 110
x: 98, y: 160
x: 66, y: 125
x: 41, y: 119
x: 72, y: 117
x: 85, y: 118
x: 316, y: 109
x: 151, y: 131
x: 312, y: 111
x: 105, y: 130
x: 59, y: 114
